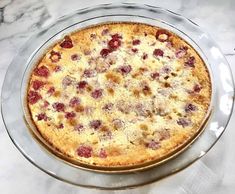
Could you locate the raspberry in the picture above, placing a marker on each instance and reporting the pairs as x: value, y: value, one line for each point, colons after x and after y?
x: 70, y: 115
x: 33, y: 97
x: 102, y: 153
x: 59, y: 107
x: 75, y: 57
x: 97, y: 93
x: 42, y: 71
x: 154, y: 75
x: 158, y: 52
x: 74, y: 102
x: 125, y: 69
x: 190, y: 62
x: 95, y: 124
x: 81, y: 85
x: 183, y: 122
x: 37, y: 84
x: 84, y: 151
x: 104, y: 52
x: 153, y: 145
x: 197, y: 88
x: 136, y: 42
x: 190, y: 108
x: 42, y: 116
x: 67, y: 43
x: 55, y: 56
x: 114, y: 44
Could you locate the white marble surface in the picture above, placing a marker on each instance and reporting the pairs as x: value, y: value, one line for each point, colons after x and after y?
x: 215, y: 173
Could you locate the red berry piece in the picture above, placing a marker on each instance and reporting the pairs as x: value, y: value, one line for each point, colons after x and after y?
x: 136, y: 42
x: 60, y: 126
x: 78, y: 127
x: 104, y: 52
x: 166, y: 69
x: 102, y: 153
x: 51, y: 90
x: 89, y: 73
x: 42, y: 71
x: 183, y: 122
x: 155, y: 75
x: 70, y: 115
x: 116, y: 36
x: 125, y: 69
x: 42, y: 116
x: 108, y: 107
x: 67, y: 43
x: 82, y: 84
x: 145, y: 56
x: 162, y: 35
x: 55, y: 56
x: 67, y: 81
x: 57, y: 68
x: 37, y: 84
x: 181, y: 52
x: 74, y: 102
x: 105, y: 31
x: 33, y: 97
x: 84, y: 151
x: 158, y: 53
x: 75, y: 57
x: 97, y: 93
x: 92, y: 36
x: 190, y: 108
x: 146, y: 89
x: 46, y: 104
x: 153, y: 145
x: 197, y: 88
x: 164, y: 134
x: 95, y: 124
x: 190, y: 62
x: 59, y: 107
x: 134, y: 50
x: 114, y: 44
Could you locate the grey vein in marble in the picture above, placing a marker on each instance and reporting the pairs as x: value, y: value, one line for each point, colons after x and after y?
x: 4, y: 3
x: 20, y: 16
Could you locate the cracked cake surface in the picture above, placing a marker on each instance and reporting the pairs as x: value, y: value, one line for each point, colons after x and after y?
x: 119, y: 94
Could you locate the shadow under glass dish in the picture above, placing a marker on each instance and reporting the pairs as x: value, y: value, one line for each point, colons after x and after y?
x: 13, y: 93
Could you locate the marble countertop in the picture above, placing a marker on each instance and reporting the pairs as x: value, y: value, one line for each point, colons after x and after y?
x: 214, y: 173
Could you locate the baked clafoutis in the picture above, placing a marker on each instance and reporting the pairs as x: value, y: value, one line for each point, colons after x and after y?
x: 119, y: 94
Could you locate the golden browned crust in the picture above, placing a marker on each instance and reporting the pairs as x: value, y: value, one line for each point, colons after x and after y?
x: 141, y: 114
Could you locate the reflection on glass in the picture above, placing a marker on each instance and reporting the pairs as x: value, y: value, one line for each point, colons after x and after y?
x: 214, y: 126
x: 226, y: 82
x: 225, y: 104
x: 216, y: 53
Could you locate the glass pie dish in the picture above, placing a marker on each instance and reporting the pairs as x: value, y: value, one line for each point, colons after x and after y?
x: 27, y: 141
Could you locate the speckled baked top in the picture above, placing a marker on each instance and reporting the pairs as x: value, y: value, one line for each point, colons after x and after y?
x: 119, y: 94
